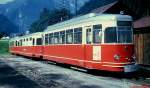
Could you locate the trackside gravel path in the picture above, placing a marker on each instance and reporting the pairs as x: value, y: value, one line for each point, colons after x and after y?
x: 42, y: 74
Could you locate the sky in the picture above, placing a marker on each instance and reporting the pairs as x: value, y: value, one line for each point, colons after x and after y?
x: 5, y: 1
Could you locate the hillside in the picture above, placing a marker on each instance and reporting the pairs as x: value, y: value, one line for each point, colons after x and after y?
x: 25, y: 12
x: 6, y: 26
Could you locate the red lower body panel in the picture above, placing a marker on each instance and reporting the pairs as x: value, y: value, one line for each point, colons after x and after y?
x: 82, y: 55
x: 30, y: 51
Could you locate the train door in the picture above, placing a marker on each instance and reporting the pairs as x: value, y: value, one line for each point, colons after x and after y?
x: 97, y: 39
x: 92, y: 45
x: 87, y: 37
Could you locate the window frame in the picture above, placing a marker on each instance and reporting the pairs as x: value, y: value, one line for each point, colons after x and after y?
x: 62, y: 35
x: 77, y: 32
x: 69, y: 32
x: 97, y: 27
x: 38, y: 41
x: 46, y: 41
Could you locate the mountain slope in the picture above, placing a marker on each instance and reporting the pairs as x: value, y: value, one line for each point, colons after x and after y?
x: 6, y: 26
x: 24, y: 12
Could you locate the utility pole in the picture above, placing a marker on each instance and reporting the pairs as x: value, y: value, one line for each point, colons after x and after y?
x: 76, y: 7
x: 64, y: 4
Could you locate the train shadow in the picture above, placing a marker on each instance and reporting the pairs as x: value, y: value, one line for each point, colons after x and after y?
x: 10, y: 78
x: 139, y: 74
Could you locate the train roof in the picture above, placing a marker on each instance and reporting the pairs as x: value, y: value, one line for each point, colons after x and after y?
x: 33, y: 34
x: 89, y: 17
x: 28, y: 35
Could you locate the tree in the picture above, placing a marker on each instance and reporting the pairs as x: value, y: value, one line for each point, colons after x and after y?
x: 1, y: 35
x: 49, y: 18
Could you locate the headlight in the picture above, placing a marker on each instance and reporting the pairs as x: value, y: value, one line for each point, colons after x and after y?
x: 133, y: 57
x: 117, y: 57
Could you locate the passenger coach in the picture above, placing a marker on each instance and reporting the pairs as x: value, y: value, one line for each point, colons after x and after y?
x: 28, y: 45
x: 93, y: 41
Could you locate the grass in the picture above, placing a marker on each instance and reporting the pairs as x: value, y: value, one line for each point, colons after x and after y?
x: 4, y: 47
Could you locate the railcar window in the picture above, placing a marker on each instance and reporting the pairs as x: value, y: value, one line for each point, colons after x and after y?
x: 20, y: 42
x: 51, y: 38
x: 69, y: 36
x: 78, y: 35
x: 62, y: 37
x: 30, y: 39
x: 33, y: 41
x: 88, y: 36
x: 46, y: 39
x: 39, y: 41
x: 97, y: 33
x: 17, y: 43
x: 110, y: 35
x: 124, y: 35
x: 56, y: 38
x: 124, y: 23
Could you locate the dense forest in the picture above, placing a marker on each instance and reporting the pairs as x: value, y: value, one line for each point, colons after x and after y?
x: 49, y: 18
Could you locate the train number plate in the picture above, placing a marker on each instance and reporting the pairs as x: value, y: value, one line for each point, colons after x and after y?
x: 130, y: 68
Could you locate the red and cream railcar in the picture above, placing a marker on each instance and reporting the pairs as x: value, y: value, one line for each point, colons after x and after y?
x: 93, y: 41
x: 28, y: 45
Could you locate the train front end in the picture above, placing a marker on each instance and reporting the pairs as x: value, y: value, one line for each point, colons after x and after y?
x: 118, y: 49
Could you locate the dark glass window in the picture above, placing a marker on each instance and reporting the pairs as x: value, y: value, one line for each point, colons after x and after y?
x: 62, y: 37
x: 69, y: 36
x: 33, y: 42
x: 110, y: 35
x: 16, y: 43
x: 30, y: 39
x: 97, y: 33
x: 21, y: 42
x: 124, y: 35
x: 39, y: 41
x: 51, y: 38
x: 78, y: 35
x: 56, y: 38
x: 46, y: 39
x: 124, y: 23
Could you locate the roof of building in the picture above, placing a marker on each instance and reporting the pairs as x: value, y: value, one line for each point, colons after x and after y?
x: 104, y: 8
x: 143, y: 22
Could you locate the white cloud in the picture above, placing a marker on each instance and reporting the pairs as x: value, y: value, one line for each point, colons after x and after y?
x: 5, y: 1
